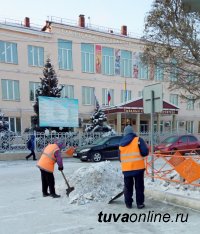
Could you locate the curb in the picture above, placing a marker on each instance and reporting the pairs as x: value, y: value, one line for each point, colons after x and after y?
x: 21, y: 156
x: 176, y: 199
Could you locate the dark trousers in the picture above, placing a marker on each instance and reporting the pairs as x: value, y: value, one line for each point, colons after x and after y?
x: 47, y: 182
x: 32, y: 153
x: 139, y: 188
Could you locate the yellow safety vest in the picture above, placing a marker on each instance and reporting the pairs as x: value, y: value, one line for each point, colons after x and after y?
x: 130, y: 156
x: 47, y: 159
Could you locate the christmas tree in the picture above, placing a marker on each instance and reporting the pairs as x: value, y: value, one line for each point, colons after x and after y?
x: 4, y: 125
x: 48, y: 87
x: 98, y: 121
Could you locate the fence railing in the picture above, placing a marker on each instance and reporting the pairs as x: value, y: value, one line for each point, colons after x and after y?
x: 13, y: 142
x: 17, y: 142
x: 175, y: 166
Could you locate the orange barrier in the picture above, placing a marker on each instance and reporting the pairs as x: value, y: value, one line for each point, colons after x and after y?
x: 168, y: 166
x: 69, y: 152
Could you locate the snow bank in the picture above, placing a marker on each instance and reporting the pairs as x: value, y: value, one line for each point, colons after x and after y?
x: 172, y: 187
x: 98, y: 182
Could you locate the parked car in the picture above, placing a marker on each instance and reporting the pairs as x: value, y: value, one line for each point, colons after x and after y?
x: 178, y: 142
x: 101, y: 149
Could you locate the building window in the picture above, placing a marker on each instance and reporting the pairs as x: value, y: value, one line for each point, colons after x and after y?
x: 190, y: 103
x: 198, y: 127
x: 126, y: 63
x: 174, y: 70
x: 32, y: 90
x: 173, y: 98
x: 65, y: 54
x: 108, y: 61
x: 159, y: 72
x: 140, y: 94
x: 105, y: 97
x: 125, y: 95
x: 35, y: 56
x: 88, y: 97
x: 10, y: 90
x: 68, y: 91
x: 14, y: 123
x: 191, y: 79
x: 143, y: 69
x: 143, y: 126
x: 87, y: 58
x: 190, y: 126
x: 8, y: 52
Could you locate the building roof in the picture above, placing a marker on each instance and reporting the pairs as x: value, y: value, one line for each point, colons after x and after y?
x: 136, y: 106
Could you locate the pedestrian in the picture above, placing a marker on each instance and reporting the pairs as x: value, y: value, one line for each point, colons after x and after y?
x: 133, y: 149
x: 51, y: 155
x: 31, y: 147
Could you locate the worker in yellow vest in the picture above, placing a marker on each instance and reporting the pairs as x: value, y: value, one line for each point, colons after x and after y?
x: 133, y: 149
x: 51, y: 155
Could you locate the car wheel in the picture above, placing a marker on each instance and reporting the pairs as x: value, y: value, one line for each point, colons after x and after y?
x: 96, y: 157
x: 198, y: 150
x: 173, y: 151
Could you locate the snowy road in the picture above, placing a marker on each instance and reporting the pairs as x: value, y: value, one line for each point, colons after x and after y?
x: 23, y: 210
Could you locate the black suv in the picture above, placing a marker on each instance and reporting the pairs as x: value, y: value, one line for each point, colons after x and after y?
x: 101, y: 149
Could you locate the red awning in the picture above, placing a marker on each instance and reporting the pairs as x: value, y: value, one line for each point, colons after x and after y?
x: 137, y: 107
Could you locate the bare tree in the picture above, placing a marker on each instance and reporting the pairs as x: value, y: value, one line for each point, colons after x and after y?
x: 172, y: 39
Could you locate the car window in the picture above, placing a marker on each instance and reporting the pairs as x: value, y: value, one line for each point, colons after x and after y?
x: 183, y: 139
x: 114, y: 141
x: 192, y: 139
x: 171, y: 139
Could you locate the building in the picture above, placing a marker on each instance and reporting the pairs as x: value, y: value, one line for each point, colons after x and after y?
x: 90, y: 62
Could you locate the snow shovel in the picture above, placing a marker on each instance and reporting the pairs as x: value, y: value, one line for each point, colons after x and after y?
x: 69, y: 189
x: 115, y: 197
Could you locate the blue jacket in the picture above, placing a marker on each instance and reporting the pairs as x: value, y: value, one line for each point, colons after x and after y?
x: 126, y: 140
x: 32, y: 142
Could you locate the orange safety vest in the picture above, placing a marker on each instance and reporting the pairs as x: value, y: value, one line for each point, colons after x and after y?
x: 130, y: 156
x: 47, y: 159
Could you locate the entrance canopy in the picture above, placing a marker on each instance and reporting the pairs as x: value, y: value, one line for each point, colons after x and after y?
x: 136, y: 106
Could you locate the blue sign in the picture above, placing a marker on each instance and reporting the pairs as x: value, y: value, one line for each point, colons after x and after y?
x: 58, y: 112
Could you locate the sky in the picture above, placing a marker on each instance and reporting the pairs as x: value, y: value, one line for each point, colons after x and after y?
x: 106, y: 13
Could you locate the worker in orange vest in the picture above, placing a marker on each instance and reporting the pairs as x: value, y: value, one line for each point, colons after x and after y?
x: 133, y: 149
x: 51, y: 155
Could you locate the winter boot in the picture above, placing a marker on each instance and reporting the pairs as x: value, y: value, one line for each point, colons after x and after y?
x: 141, y: 206
x: 46, y: 194
x: 55, y: 195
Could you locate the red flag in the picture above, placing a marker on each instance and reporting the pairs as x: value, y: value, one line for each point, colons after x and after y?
x: 109, y: 97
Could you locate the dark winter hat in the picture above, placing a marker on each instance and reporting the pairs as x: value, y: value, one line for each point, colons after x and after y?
x: 128, y: 129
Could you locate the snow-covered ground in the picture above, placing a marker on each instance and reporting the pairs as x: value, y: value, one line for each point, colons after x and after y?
x: 23, y: 210
x: 189, y: 191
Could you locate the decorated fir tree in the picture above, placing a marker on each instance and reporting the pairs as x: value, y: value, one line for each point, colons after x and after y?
x: 4, y: 125
x: 48, y: 87
x: 98, y: 121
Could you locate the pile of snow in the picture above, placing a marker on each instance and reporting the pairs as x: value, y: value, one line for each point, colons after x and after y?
x: 98, y: 182
x: 101, y: 181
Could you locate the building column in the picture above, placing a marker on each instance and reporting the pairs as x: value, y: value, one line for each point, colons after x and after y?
x: 138, y: 124
x: 173, y: 122
x: 119, y: 122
